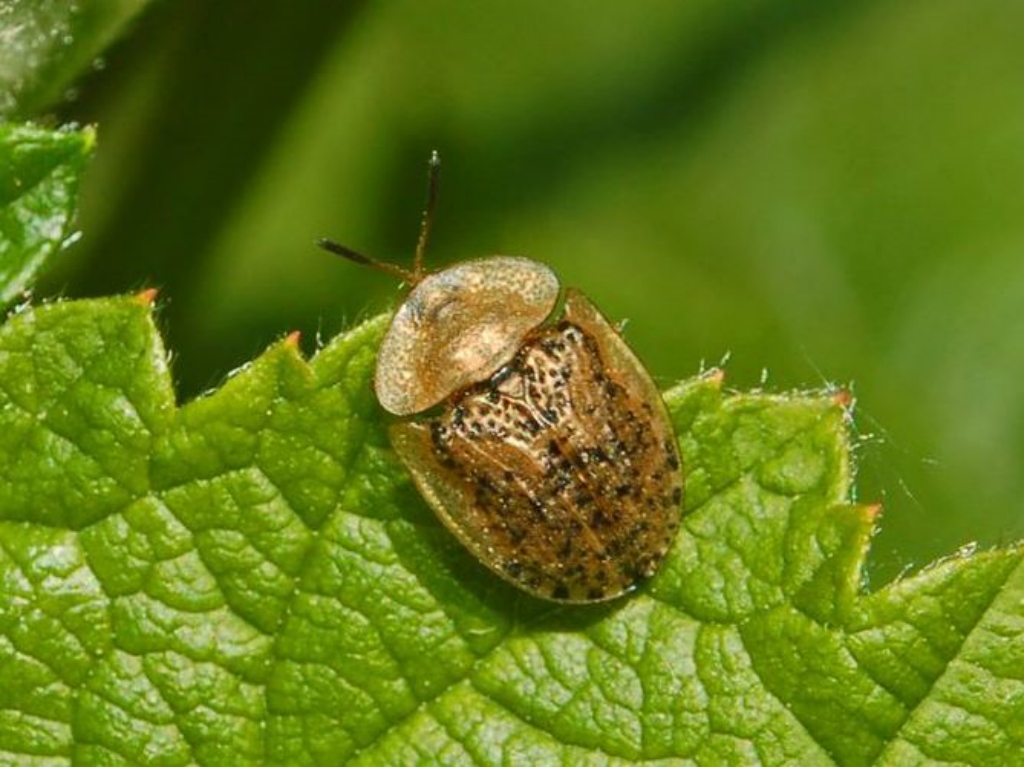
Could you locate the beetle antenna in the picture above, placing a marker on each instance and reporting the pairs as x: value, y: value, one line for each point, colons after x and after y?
x: 433, y: 175
x: 413, y: 277
x: 353, y: 255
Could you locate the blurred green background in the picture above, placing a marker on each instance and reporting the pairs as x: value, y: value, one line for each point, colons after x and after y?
x: 826, y: 192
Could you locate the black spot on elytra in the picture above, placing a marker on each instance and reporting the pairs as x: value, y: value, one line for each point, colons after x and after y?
x: 560, y: 592
x: 501, y: 376
x: 566, y: 548
x: 437, y: 435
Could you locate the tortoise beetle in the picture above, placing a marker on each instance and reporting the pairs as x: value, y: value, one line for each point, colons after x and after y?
x: 527, y: 424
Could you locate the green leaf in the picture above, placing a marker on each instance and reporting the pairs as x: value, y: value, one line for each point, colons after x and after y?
x: 47, y: 42
x: 251, y: 579
x: 39, y: 174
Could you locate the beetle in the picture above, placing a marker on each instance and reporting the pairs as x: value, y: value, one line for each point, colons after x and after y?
x: 527, y: 424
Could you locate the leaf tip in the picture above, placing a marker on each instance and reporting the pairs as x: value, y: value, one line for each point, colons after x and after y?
x: 293, y: 339
x: 716, y: 376
x: 873, y: 511
x: 147, y: 297
x: 843, y: 398
x: 89, y: 138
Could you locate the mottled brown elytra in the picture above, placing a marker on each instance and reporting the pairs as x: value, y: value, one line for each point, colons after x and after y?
x: 528, y: 425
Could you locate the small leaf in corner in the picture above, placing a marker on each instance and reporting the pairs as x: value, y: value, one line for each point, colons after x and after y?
x: 39, y: 175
